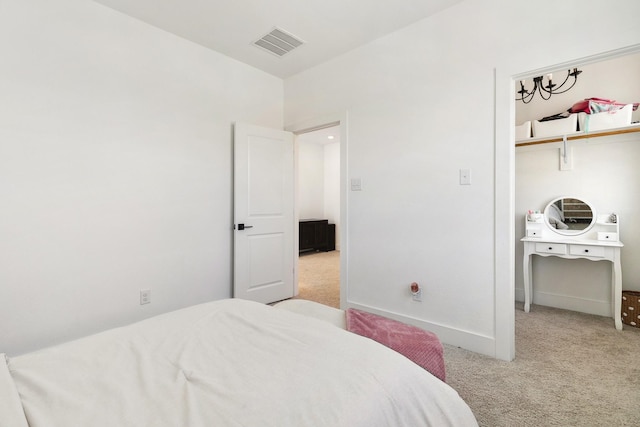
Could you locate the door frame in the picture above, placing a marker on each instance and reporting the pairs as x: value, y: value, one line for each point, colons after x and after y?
x: 310, y: 125
x: 504, y: 202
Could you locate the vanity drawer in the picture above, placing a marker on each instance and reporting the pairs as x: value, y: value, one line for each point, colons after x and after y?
x: 551, y: 248
x: 587, y: 250
x: 607, y: 236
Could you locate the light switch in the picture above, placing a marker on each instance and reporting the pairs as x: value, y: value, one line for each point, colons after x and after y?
x: 465, y: 177
x: 356, y: 184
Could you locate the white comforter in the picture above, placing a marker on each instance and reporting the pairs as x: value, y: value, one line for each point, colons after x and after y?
x: 227, y: 363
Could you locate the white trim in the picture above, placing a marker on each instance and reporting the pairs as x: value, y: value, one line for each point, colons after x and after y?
x: 504, y: 221
x: 568, y: 302
x: 457, y: 337
x: 318, y: 127
x: 318, y: 123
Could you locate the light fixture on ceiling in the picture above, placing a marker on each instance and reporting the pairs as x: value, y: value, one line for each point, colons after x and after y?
x: 546, y: 90
x: 330, y: 137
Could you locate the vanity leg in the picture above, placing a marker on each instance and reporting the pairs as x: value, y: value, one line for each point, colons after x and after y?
x: 616, y: 272
x: 526, y: 269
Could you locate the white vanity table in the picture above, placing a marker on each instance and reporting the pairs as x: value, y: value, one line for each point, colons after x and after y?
x: 586, y: 235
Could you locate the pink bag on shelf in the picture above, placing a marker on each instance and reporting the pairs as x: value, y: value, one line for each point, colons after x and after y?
x: 597, y: 105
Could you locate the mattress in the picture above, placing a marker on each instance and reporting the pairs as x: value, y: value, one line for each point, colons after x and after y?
x: 226, y: 363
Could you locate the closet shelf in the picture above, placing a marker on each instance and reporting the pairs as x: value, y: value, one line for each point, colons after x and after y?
x: 580, y: 135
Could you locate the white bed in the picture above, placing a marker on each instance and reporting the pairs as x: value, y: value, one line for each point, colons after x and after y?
x: 225, y: 363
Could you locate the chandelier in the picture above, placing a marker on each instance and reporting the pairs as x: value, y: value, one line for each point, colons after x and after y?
x: 546, y: 90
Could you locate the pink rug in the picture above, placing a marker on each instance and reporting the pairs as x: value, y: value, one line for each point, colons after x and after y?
x: 420, y: 346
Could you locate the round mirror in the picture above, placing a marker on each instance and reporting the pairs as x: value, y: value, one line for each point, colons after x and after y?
x: 569, y: 216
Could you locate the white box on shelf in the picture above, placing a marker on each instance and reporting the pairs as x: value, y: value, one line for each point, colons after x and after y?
x: 606, y: 119
x: 523, y: 131
x: 556, y: 127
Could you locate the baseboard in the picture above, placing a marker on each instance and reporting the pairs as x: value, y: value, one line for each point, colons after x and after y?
x: 583, y: 305
x: 452, y: 336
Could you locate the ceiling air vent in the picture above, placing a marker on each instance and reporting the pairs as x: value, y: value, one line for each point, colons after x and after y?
x: 278, y: 42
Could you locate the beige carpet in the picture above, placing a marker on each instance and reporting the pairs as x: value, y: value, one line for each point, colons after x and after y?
x: 571, y: 369
x: 319, y: 277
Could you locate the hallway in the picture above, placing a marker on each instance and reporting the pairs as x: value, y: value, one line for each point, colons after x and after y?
x: 319, y: 277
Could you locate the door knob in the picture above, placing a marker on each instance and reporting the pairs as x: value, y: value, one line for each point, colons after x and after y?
x: 242, y: 226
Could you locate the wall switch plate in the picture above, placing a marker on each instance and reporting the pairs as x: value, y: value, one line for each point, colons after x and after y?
x: 356, y: 184
x: 465, y: 176
x: 145, y: 296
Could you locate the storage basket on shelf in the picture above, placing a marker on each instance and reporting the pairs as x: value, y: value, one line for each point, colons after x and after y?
x: 555, y: 127
x: 631, y: 308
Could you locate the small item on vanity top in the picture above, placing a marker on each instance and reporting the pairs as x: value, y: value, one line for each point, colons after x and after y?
x: 534, y: 216
x: 613, y: 218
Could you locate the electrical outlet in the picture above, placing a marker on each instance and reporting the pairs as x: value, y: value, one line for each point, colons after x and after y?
x: 417, y: 296
x: 145, y: 296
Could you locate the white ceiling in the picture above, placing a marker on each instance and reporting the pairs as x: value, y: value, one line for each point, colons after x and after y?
x: 321, y: 136
x: 328, y: 27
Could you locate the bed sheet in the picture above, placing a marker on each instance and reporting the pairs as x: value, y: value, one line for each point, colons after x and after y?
x: 231, y: 363
x: 11, y: 413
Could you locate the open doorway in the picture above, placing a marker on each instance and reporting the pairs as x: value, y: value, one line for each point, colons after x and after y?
x: 319, y: 215
x: 505, y: 195
x: 548, y: 167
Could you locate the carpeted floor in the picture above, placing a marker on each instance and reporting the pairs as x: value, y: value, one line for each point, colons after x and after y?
x: 319, y: 277
x: 571, y: 369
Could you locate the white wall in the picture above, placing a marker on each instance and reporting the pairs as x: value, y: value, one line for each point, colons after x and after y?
x: 319, y: 182
x: 310, y: 180
x: 605, y: 173
x: 421, y: 105
x: 115, y: 168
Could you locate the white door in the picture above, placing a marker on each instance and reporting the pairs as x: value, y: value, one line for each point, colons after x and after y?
x: 264, y: 249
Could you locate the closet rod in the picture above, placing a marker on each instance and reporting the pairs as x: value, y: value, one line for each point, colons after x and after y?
x: 572, y: 137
